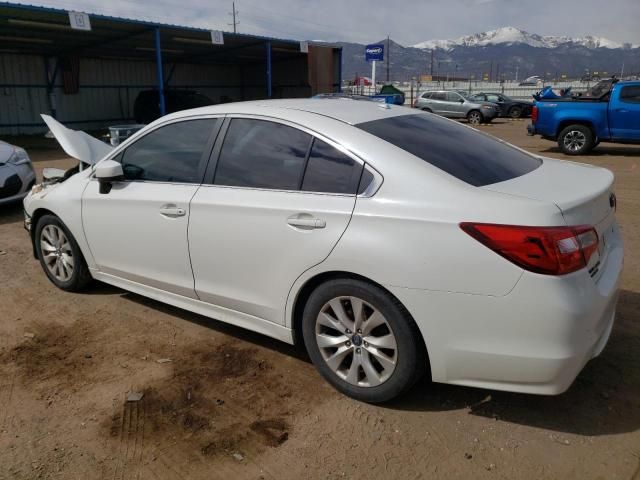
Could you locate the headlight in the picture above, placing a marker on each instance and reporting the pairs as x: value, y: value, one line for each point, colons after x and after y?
x: 19, y: 157
x: 488, y: 107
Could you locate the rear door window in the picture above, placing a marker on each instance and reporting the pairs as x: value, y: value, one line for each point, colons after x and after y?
x: 465, y: 153
x: 630, y: 94
x: 262, y: 154
x: 330, y: 171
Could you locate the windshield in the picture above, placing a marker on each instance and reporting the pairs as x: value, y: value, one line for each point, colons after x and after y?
x: 465, y: 153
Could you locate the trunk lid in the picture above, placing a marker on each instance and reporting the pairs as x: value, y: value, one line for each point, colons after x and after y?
x: 583, y: 193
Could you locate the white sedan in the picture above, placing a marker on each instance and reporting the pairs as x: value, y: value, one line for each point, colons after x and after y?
x: 392, y: 243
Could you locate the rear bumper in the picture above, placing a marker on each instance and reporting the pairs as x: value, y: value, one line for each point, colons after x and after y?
x: 536, y: 339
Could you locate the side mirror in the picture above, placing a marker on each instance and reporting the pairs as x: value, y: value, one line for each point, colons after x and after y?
x: 461, y: 100
x: 108, y: 172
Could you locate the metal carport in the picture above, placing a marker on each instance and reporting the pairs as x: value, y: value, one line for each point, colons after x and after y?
x: 91, y: 78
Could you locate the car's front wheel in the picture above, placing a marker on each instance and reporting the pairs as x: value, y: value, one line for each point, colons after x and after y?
x: 362, y: 340
x: 59, y: 255
x: 474, y: 117
x: 576, y: 140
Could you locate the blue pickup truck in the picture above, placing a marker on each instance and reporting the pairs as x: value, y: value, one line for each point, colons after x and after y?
x: 579, y: 123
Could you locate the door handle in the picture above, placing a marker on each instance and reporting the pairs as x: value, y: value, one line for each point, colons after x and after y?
x: 306, y: 221
x: 172, y: 211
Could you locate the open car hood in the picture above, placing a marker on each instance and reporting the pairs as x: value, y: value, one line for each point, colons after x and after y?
x: 76, y: 144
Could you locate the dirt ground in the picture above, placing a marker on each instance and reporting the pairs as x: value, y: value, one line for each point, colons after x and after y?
x: 232, y: 404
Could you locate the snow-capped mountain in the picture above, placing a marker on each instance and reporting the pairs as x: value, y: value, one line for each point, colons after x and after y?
x: 512, y: 35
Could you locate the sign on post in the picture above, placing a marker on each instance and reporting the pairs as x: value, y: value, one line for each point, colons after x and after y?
x: 374, y: 53
x: 216, y: 37
x: 79, y: 21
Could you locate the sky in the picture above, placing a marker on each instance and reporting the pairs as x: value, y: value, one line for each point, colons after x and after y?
x: 363, y: 21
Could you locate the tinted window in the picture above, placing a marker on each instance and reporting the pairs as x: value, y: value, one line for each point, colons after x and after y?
x: 426, y: 95
x: 329, y: 170
x: 173, y: 153
x: 493, y: 98
x: 453, y: 97
x: 262, y: 154
x: 439, y: 96
x: 630, y: 94
x: 465, y: 153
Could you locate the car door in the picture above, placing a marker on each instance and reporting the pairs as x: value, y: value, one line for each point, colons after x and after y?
x: 498, y: 100
x: 624, y: 115
x: 277, y: 204
x: 456, y: 105
x: 138, y: 231
x: 438, y: 103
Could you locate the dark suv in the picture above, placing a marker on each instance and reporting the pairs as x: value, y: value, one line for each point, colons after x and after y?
x: 146, y: 108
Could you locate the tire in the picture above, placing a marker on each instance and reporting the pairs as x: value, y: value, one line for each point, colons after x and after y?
x: 474, y: 117
x: 576, y: 140
x: 64, y: 266
x: 380, y: 374
x: 428, y: 110
x: 515, y: 112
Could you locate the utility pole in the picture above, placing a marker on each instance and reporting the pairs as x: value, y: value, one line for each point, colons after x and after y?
x: 233, y: 13
x: 388, y: 54
x: 431, y: 67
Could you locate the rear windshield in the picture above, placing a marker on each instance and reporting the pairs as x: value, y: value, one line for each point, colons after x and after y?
x: 468, y: 155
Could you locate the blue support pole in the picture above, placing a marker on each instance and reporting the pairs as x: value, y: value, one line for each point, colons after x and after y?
x: 163, y: 108
x: 268, y: 46
x: 340, y: 70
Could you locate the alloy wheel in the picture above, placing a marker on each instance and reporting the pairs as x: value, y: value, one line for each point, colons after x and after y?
x: 57, y: 253
x: 356, y: 341
x: 475, y: 118
x: 574, y: 140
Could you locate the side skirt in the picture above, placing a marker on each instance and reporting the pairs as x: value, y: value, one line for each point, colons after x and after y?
x: 226, y: 315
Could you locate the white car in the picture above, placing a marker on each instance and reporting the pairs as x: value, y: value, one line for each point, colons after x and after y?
x: 16, y: 173
x: 390, y: 241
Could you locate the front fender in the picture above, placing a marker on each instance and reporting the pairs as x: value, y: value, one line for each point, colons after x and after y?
x: 63, y: 200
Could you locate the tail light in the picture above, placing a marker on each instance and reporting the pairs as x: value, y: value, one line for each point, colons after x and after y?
x: 534, y: 114
x: 546, y: 250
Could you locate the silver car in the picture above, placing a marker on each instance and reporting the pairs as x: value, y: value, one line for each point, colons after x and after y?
x: 16, y: 173
x: 455, y: 104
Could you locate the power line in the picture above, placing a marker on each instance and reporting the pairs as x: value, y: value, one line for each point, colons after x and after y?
x: 234, y: 13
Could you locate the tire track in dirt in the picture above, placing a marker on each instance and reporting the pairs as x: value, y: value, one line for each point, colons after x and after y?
x: 130, y: 433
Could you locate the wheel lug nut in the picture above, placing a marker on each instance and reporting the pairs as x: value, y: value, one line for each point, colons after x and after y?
x: 357, y: 350
x: 366, y: 344
x: 348, y: 331
x: 348, y: 344
x: 359, y: 331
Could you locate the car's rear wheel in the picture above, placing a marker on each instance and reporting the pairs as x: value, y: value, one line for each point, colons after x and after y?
x: 515, y: 112
x: 362, y: 340
x: 576, y: 140
x: 59, y: 255
x: 474, y: 117
x: 428, y: 110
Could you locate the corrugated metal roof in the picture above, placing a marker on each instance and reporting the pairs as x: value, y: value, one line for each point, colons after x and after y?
x: 31, y: 29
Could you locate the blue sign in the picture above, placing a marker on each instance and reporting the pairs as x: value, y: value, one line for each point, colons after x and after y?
x: 374, y: 52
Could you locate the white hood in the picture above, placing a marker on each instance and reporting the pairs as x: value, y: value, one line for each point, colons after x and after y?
x: 78, y: 144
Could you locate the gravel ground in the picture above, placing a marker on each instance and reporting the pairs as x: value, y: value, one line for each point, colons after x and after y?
x: 220, y: 402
